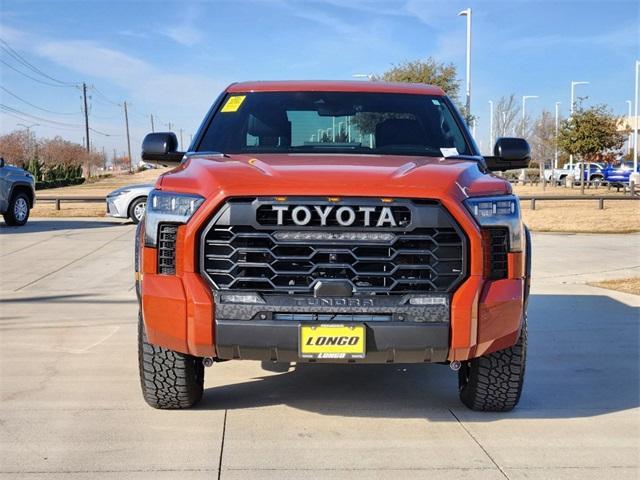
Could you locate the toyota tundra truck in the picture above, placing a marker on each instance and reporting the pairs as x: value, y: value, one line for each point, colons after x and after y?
x: 333, y: 222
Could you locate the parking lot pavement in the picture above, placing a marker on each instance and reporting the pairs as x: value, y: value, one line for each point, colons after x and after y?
x: 71, y: 403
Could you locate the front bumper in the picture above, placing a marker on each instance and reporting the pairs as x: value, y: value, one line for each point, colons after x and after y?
x: 116, y: 207
x: 386, y: 342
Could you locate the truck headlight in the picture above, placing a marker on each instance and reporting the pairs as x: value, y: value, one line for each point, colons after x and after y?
x: 502, y: 211
x: 167, y: 207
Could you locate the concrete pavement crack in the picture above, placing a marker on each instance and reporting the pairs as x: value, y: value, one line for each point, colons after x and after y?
x: 224, y: 430
x: 479, y: 444
x: 71, y: 262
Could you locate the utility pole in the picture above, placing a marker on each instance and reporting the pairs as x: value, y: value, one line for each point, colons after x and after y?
x: 152, y: 127
x: 126, y: 121
x: 86, y: 114
x: 181, y: 147
x: 86, y: 126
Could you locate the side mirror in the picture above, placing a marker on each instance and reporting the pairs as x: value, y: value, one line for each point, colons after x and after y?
x: 161, y: 147
x: 508, y: 154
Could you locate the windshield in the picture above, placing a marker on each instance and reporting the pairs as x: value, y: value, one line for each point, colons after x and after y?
x: 335, y: 122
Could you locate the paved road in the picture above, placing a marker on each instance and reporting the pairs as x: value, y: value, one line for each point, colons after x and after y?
x: 71, y: 405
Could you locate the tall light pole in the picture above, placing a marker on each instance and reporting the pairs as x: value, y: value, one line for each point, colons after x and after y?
x: 573, y: 105
x: 524, y: 117
x: 467, y: 13
x: 630, y: 143
x: 635, y: 136
x: 490, y: 124
x: 573, y: 92
x: 504, y: 123
x: 555, y: 161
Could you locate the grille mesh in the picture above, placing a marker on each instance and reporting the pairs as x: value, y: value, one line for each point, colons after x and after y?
x: 245, y: 257
x: 167, y: 249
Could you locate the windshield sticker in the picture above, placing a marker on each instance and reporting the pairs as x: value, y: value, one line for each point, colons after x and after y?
x: 435, y: 102
x: 233, y: 103
x: 449, y: 152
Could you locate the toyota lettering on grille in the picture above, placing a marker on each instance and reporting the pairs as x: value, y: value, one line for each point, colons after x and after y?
x: 345, y: 216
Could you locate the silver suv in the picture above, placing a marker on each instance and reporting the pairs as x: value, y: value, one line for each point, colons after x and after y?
x: 17, y: 194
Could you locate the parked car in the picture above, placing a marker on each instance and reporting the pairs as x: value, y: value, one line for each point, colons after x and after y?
x: 397, y: 246
x: 592, y: 173
x: 129, y: 202
x: 17, y: 194
x: 619, y: 176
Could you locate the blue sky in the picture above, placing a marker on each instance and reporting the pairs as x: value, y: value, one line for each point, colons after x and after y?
x: 171, y: 59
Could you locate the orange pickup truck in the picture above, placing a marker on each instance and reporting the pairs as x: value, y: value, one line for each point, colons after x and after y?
x: 349, y: 222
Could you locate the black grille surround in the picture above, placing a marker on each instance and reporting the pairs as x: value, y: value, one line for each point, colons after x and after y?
x: 496, y: 244
x: 241, y: 249
x: 167, y: 235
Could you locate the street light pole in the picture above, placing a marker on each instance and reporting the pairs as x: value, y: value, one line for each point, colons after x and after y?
x: 467, y: 13
x: 635, y: 135
x: 573, y: 104
x: 504, y: 123
x: 555, y: 161
x: 490, y: 123
x: 630, y: 142
x: 524, y: 118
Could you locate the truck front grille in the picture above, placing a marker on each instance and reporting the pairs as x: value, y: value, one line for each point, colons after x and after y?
x: 240, y: 253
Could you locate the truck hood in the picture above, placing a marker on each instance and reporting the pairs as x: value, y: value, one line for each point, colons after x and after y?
x: 331, y: 174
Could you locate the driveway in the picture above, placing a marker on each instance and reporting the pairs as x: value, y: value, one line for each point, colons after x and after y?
x: 71, y: 403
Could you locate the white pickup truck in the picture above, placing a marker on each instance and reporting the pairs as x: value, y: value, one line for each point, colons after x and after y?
x: 592, y: 173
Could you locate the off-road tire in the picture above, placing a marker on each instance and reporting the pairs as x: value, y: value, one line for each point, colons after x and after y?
x: 169, y: 380
x: 493, y: 383
x: 132, y: 209
x: 10, y: 217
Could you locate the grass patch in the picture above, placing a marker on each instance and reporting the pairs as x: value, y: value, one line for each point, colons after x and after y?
x: 627, y: 285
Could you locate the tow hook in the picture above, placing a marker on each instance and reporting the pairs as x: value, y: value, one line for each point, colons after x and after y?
x: 455, y: 365
x: 207, y: 361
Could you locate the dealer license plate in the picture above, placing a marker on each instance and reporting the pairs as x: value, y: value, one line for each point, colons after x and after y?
x: 327, y: 341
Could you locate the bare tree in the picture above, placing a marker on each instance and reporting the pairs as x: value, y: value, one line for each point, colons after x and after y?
x: 507, y: 118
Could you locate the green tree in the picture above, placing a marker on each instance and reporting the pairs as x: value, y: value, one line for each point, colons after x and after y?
x: 429, y: 71
x: 591, y: 131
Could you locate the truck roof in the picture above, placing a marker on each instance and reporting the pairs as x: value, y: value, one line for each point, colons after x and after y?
x: 335, y: 86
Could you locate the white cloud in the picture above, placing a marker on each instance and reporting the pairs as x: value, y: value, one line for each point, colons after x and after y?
x: 185, y: 31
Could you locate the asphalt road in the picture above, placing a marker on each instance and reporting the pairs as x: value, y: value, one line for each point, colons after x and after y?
x: 71, y: 403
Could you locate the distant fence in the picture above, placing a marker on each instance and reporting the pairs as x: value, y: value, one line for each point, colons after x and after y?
x: 69, y: 199
x: 599, y: 198
x: 531, y: 198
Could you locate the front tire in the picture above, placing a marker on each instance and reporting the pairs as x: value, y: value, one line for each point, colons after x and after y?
x: 18, y: 212
x: 493, y: 382
x: 137, y: 209
x: 169, y: 380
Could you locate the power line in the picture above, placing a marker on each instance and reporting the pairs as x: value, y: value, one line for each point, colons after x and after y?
x: 29, y: 120
x: 103, y: 133
x: 35, y: 106
x: 104, y: 97
x: 32, y: 78
x: 16, y: 56
x: 35, y: 117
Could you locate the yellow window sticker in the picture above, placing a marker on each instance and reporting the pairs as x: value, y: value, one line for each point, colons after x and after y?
x: 233, y: 103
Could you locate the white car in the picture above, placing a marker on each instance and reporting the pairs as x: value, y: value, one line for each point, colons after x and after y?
x: 129, y: 202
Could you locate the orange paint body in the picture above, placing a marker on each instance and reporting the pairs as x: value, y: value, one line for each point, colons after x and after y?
x: 178, y: 309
